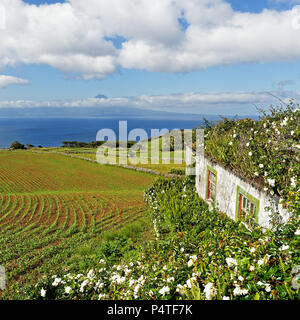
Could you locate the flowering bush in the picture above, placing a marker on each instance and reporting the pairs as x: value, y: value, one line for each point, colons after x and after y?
x: 266, y: 151
x: 195, y: 254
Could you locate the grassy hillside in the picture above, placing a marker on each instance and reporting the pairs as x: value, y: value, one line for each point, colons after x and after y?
x: 51, y: 206
x: 144, y: 158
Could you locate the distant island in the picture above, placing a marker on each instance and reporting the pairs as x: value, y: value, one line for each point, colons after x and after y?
x: 101, y: 96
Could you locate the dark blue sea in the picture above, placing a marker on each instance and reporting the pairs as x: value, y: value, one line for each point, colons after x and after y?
x: 51, y: 132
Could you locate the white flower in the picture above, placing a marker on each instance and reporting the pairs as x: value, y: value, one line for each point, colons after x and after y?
x: 91, y: 274
x: 182, y: 249
x: 230, y: 143
x: 99, y: 285
x: 116, y: 278
x: 283, y: 248
x: 247, y: 144
x: 84, y: 283
x: 210, y: 291
x: 102, y: 261
x: 261, y: 165
x: 165, y: 290
x: 192, y: 260
x: 171, y: 279
x: 251, y: 268
x: 284, y: 122
x: 190, y: 263
x: 210, y: 254
x: 292, y: 132
x: 102, y: 296
x: 271, y: 182
x: 68, y: 290
x: 140, y: 280
x: 297, y: 233
x: 260, y: 262
x: 43, y: 293
x: 241, y: 278
x: 252, y: 250
x: 189, y: 283
x: 245, y: 292
x: 179, y: 289
x: 268, y: 288
x: 250, y: 153
x: 234, y: 136
x: 256, y: 174
x: 226, y: 298
x: 231, y: 262
x: 293, y: 182
x: 56, y: 282
x: 240, y: 292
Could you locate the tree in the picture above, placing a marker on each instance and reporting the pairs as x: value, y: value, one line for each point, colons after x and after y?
x: 17, y: 145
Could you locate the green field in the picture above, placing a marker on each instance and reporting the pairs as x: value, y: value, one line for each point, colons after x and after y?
x: 51, y: 205
x: 157, y: 162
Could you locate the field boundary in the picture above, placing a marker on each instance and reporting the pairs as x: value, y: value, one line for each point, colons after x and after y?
x: 125, y: 166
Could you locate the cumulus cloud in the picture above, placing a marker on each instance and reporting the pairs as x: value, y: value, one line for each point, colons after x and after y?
x: 75, y: 36
x: 7, y: 80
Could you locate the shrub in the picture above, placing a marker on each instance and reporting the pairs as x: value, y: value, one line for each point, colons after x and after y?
x: 197, y: 254
x: 266, y: 151
x: 17, y: 145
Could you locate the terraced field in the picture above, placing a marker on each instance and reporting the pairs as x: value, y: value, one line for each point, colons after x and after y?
x: 51, y: 204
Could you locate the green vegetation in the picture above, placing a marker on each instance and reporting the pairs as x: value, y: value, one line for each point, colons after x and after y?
x: 93, y: 144
x: 196, y: 254
x: 72, y: 229
x: 17, y: 145
x: 266, y: 151
x: 115, y: 155
x: 52, y: 206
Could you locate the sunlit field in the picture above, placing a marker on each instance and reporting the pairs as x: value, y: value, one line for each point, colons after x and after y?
x: 51, y: 205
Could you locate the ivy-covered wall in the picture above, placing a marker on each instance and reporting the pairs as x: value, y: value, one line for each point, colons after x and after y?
x: 226, y: 192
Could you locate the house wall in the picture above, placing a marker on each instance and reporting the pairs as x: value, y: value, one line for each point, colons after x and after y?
x: 226, y: 192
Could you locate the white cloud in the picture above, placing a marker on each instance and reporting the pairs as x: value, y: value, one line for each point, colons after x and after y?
x: 73, y: 36
x: 189, y: 102
x: 7, y: 80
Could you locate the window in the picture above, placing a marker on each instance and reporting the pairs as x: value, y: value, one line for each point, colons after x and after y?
x: 247, y: 208
x: 211, y: 185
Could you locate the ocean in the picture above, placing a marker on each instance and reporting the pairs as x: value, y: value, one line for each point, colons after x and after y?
x: 50, y: 132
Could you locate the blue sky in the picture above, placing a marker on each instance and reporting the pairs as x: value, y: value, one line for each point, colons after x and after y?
x: 50, y: 81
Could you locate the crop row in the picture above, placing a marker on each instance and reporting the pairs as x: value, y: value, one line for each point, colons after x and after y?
x: 35, y: 228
